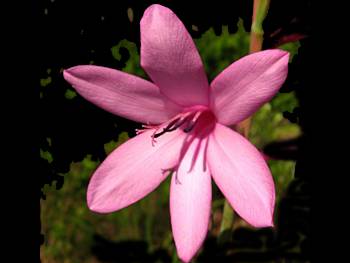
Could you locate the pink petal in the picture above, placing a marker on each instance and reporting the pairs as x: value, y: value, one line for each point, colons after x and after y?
x: 170, y: 57
x: 241, y: 173
x: 120, y: 93
x: 247, y: 84
x: 132, y: 171
x: 190, y: 203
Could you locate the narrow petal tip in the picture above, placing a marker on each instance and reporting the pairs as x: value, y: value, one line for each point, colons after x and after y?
x: 155, y: 8
x: 277, y: 52
x: 93, y: 205
x: 264, y: 223
x: 69, y: 70
x: 186, y: 258
x: 283, y: 52
x: 68, y: 74
x: 265, y: 219
x: 277, y: 55
x: 186, y: 255
x: 282, y: 55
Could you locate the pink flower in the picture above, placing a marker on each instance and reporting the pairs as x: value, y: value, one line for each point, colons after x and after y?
x: 186, y: 130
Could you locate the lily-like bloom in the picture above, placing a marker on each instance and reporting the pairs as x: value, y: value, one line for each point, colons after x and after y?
x: 185, y: 130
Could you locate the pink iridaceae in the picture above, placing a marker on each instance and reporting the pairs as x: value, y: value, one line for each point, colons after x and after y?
x: 185, y: 130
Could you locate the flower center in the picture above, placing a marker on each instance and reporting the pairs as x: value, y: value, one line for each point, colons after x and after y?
x: 198, y: 119
x: 196, y: 122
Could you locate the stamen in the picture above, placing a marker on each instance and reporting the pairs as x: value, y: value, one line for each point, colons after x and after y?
x: 189, y: 119
x: 193, y: 122
x: 178, y: 124
x: 156, y: 135
x: 173, y: 124
x: 145, y: 127
x: 170, y: 124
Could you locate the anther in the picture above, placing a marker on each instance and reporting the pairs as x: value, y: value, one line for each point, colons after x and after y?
x: 193, y: 122
x: 189, y: 127
x: 166, y: 129
x: 172, y: 126
x: 177, y: 124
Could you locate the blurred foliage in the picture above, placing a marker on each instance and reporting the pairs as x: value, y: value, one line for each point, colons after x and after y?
x: 218, y: 52
x: 71, y: 229
x: 133, y: 63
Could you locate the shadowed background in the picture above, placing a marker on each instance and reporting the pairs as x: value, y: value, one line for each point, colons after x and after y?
x: 76, y: 135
